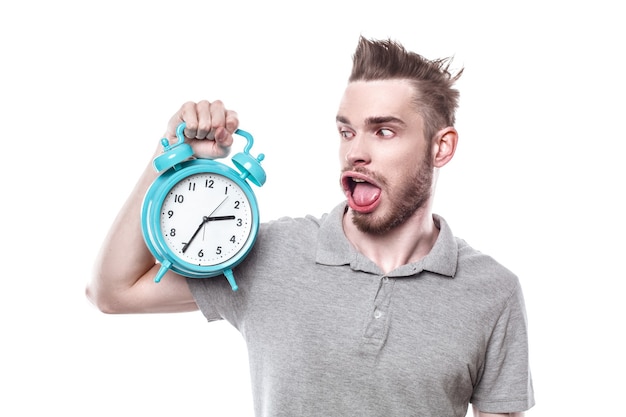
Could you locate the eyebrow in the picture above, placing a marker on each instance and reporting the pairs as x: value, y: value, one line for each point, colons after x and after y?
x: 375, y: 120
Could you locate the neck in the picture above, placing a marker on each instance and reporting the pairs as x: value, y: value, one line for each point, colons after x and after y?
x: 406, y: 243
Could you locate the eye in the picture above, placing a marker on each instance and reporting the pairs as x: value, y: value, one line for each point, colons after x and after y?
x: 346, y: 134
x: 385, y: 133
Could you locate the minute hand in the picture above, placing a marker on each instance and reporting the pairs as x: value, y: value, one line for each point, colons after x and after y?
x: 205, y: 220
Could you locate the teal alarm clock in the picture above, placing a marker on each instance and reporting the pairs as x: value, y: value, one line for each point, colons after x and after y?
x: 200, y: 217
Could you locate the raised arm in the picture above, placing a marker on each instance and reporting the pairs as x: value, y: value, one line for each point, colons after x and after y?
x: 123, y: 275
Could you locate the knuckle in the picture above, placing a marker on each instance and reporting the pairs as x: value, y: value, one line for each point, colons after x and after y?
x: 188, y: 105
x: 204, y: 127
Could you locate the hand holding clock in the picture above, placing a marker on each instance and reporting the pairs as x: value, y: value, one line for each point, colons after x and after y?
x: 209, y: 128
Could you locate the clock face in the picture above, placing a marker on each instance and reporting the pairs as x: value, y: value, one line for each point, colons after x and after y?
x: 206, y: 219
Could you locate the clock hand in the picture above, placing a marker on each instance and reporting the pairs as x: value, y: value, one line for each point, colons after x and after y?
x: 205, y: 220
x: 219, y: 205
x: 212, y: 219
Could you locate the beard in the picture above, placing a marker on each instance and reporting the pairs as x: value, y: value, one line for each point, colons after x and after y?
x: 414, y: 193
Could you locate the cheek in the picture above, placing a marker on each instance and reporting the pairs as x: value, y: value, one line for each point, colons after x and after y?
x: 399, y: 171
x: 343, y: 153
x: 401, y: 162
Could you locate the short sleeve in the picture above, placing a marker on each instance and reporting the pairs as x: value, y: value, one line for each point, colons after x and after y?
x: 505, y: 385
x: 208, y: 294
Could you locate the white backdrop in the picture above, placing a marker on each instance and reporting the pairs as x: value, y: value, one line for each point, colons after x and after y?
x: 87, y: 89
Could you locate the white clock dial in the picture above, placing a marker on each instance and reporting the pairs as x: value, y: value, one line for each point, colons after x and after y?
x: 206, y: 219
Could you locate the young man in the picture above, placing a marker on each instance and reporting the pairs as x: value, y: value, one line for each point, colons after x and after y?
x: 374, y: 309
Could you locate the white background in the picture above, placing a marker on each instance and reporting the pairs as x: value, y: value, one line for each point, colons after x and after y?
x: 87, y: 89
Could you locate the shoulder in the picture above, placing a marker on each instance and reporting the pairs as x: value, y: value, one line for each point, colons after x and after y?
x: 287, y: 229
x: 287, y: 234
x: 309, y: 225
x: 474, y: 260
x: 308, y: 222
x: 487, y: 273
x: 474, y: 270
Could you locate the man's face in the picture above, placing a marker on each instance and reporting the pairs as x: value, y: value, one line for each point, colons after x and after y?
x: 387, y: 163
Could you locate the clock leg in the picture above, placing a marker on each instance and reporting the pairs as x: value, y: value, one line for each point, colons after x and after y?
x: 231, y: 279
x: 165, y: 266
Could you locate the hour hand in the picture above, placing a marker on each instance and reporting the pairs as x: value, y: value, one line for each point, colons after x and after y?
x: 205, y: 220
x: 214, y: 218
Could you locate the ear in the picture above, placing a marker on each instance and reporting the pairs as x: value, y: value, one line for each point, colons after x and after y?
x: 444, y: 146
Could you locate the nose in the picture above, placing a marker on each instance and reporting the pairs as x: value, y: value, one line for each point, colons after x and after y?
x: 356, y: 151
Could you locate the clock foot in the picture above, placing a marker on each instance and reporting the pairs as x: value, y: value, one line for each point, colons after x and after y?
x: 165, y: 266
x: 228, y: 273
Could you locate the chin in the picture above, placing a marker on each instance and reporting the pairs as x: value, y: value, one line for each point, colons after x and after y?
x: 372, y: 224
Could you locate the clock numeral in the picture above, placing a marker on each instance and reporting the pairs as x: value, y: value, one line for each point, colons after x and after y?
x: 172, y: 232
x: 226, y: 190
x: 179, y: 198
x: 170, y: 213
x: 209, y: 183
x: 232, y: 239
x: 192, y: 186
x: 239, y: 222
x: 237, y: 203
x: 218, y: 251
x: 201, y: 253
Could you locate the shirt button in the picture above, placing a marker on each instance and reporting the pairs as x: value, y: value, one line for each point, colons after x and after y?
x: 378, y: 314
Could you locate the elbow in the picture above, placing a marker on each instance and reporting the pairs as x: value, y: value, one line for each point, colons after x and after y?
x: 104, y: 304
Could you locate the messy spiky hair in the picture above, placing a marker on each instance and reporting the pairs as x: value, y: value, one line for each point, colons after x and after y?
x: 435, y: 98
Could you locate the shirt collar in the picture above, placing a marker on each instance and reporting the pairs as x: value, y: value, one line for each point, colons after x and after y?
x: 334, y: 249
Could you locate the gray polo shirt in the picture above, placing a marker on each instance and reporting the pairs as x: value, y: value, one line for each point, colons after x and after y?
x: 328, y: 334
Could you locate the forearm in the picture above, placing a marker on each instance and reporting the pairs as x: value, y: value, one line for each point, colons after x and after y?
x: 123, y: 258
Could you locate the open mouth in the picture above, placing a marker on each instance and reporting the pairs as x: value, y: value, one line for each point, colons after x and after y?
x: 362, y: 193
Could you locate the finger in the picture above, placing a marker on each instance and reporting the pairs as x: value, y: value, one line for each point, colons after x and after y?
x: 232, y: 121
x: 172, y: 124
x: 187, y: 114
x: 218, y: 116
x: 205, y: 120
x: 224, y: 136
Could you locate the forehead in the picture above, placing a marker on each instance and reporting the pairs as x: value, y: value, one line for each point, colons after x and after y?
x: 364, y: 99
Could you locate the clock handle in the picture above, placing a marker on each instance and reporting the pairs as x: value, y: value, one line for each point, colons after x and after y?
x: 249, y: 166
x: 228, y: 273
x: 173, y: 154
x: 165, y: 266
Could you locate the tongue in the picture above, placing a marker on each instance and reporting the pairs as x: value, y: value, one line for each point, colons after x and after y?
x: 365, y: 193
